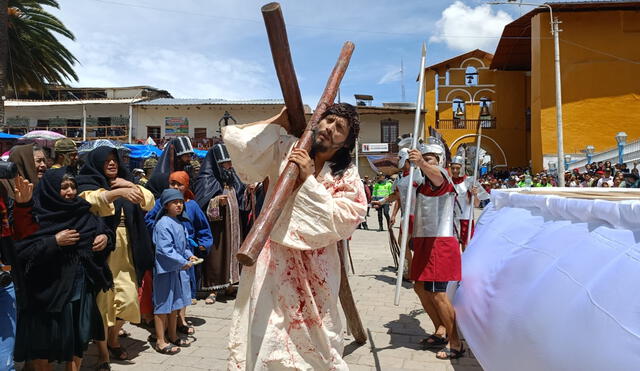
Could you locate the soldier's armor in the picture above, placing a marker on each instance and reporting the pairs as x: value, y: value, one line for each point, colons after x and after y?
x: 434, y: 215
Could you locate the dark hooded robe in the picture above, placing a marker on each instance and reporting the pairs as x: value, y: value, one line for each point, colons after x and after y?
x: 133, y: 254
x: 58, y: 312
x: 169, y: 162
x: 221, y: 268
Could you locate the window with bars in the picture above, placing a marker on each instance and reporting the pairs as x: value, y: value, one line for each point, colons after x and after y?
x: 389, y: 133
x: 199, y: 133
x: 153, y: 132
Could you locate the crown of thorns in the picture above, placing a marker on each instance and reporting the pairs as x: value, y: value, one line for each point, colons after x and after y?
x: 348, y: 112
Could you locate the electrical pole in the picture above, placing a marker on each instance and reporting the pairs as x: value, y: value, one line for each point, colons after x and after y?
x: 556, y: 41
x: 556, y: 46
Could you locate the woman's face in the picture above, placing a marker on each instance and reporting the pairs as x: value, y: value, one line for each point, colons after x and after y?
x: 68, y: 190
x: 41, y: 163
x: 177, y: 185
x: 110, y: 167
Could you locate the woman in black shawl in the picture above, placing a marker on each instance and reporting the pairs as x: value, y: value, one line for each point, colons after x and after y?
x: 63, y: 266
x: 220, y: 193
x: 176, y: 156
x: 107, y: 186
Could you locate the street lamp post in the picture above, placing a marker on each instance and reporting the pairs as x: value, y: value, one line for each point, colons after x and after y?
x: 589, y: 151
x: 552, y: 168
x: 556, y: 43
x: 84, y: 117
x: 567, y: 161
x: 621, y: 138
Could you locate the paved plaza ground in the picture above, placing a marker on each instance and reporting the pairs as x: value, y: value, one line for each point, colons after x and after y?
x: 393, y: 331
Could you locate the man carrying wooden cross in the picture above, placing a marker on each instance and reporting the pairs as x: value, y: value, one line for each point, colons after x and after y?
x: 286, y: 312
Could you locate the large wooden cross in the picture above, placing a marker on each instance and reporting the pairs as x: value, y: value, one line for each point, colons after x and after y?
x: 298, y: 127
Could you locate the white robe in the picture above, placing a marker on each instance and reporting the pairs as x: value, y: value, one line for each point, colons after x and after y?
x: 286, y: 312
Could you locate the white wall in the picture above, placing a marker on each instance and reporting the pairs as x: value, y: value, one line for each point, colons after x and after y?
x: 203, y: 116
x: 67, y: 111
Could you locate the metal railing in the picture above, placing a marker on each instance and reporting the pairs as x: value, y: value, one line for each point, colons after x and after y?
x: 115, y: 132
x: 630, y: 154
x: 449, y: 124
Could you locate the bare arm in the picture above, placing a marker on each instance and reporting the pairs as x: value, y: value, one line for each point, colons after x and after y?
x: 474, y: 195
x: 432, y: 172
x: 396, y: 207
x: 387, y: 200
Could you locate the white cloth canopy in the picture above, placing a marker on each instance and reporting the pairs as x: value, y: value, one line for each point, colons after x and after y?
x: 551, y: 283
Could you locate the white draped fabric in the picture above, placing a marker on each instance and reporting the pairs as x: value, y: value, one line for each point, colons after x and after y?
x: 551, y: 283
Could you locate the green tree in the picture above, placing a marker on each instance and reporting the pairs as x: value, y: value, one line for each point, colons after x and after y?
x: 31, y: 56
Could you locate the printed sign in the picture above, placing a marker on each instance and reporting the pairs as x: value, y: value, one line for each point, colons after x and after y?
x: 375, y: 147
x: 176, y: 126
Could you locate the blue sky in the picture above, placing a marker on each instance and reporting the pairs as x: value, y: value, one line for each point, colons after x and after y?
x: 219, y: 49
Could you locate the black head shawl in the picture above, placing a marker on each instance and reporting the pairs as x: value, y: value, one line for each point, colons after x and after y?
x: 92, y: 177
x: 49, y: 270
x: 210, y: 182
x: 22, y: 156
x: 207, y: 184
x: 168, y: 162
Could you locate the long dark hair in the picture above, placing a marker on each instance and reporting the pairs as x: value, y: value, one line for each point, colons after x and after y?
x: 342, y: 158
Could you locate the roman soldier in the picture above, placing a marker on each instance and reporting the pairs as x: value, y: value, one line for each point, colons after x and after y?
x: 466, y: 188
x: 436, y: 252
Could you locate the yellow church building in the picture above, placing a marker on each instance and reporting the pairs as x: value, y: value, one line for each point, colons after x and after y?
x: 511, y: 93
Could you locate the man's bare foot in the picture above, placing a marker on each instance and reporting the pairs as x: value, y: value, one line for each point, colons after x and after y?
x: 451, y: 352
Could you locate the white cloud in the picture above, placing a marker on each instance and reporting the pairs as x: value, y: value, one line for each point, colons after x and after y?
x: 105, y: 61
x: 392, y: 75
x: 463, y: 28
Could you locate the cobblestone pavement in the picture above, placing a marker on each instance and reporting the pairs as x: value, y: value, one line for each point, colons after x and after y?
x: 393, y: 331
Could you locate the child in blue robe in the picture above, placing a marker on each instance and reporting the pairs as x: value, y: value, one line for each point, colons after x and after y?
x: 171, y: 288
x: 199, y: 234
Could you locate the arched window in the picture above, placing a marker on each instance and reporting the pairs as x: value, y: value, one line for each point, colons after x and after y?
x: 459, y: 112
x: 486, y: 107
x: 486, y: 112
x: 471, y: 76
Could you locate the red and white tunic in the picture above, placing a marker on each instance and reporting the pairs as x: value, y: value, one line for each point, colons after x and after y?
x: 463, y: 213
x: 436, y: 252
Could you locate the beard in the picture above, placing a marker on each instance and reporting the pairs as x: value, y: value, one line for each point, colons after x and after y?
x: 317, y: 147
x: 226, y: 175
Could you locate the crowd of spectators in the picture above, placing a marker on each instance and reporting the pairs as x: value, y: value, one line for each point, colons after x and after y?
x: 596, y: 174
x: 86, y: 246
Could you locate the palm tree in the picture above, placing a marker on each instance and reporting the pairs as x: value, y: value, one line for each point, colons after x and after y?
x: 4, y: 37
x: 34, y: 57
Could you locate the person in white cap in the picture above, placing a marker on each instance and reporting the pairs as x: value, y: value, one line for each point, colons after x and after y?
x: 139, y: 176
x: 466, y: 189
x: 436, y: 252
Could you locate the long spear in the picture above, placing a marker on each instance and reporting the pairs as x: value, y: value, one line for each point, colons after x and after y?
x: 407, y: 205
x: 476, y: 166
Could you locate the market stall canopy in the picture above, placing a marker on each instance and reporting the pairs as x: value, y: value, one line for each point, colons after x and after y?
x: 90, y: 145
x: 9, y: 136
x: 143, y: 150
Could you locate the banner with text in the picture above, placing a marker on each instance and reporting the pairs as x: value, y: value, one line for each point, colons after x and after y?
x: 176, y: 127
